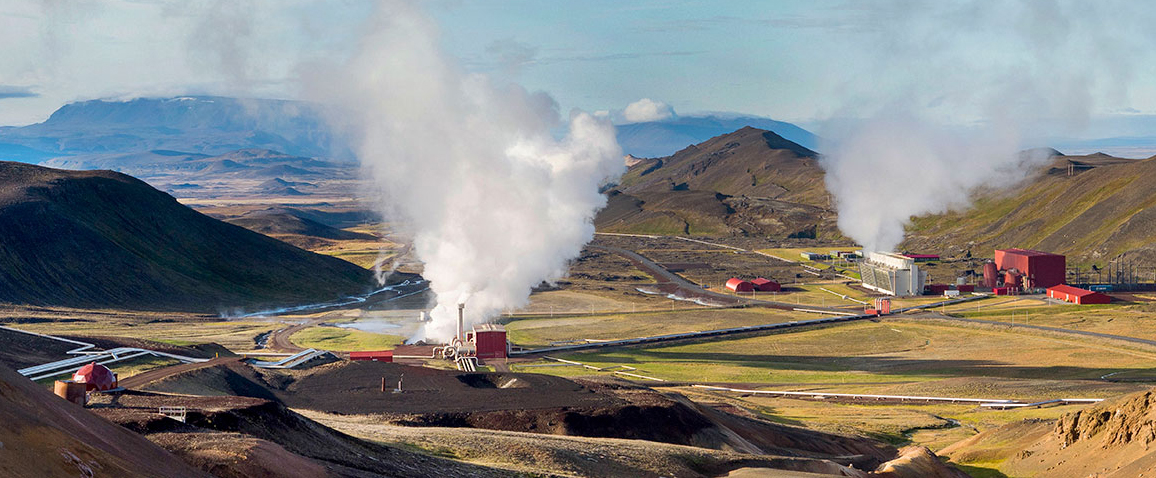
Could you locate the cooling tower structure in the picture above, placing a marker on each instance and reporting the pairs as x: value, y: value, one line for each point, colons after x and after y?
x: 892, y: 274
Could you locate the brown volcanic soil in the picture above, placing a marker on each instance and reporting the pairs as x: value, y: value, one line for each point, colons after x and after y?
x: 511, y: 404
x: 527, y: 403
x: 355, y: 388
x: 103, y: 239
x: 208, y: 350
x: 241, y: 436
x: 1113, y: 439
x: 45, y: 436
x: 19, y: 350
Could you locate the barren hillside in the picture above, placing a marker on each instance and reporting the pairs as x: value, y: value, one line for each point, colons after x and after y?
x: 45, y: 436
x: 104, y: 239
x: 747, y: 182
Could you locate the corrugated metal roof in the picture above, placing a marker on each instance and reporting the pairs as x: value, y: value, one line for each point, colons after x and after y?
x: 1026, y: 252
x: 1067, y: 289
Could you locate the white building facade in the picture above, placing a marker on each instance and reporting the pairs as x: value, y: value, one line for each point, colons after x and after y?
x: 892, y: 274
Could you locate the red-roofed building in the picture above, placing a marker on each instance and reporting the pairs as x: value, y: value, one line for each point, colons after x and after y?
x: 739, y: 285
x: 1076, y: 295
x: 374, y: 356
x: 766, y: 285
x: 489, y: 341
x: 95, y: 376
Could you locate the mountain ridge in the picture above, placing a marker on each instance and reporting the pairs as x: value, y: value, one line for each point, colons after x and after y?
x: 105, y: 239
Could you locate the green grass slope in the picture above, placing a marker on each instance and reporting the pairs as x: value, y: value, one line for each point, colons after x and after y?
x: 104, y: 239
x: 1105, y: 209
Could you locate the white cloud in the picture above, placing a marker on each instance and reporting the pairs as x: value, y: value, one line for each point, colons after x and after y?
x: 647, y: 109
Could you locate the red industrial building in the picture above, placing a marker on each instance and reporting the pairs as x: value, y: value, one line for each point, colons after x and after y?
x: 739, y: 285
x: 766, y: 285
x: 489, y: 341
x: 935, y: 289
x: 1076, y: 295
x: 1037, y: 269
x: 882, y: 307
x: 95, y: 376
x: 375, y: 356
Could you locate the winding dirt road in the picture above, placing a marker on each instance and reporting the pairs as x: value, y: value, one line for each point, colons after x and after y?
x: 142, y: 379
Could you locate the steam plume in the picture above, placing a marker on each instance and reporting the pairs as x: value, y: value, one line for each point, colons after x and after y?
x: 1005, y: 70
x: 497, y: 204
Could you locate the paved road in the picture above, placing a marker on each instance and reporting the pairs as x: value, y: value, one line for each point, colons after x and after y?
x: 142, y: 379
x: 279, y: 339
x: 1085, y: 333
x: 671, y: 283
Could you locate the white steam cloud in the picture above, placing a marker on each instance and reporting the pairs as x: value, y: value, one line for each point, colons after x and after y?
x: 1012, y: 71
x: 891, y: 169
x: 647, y: 109
x: 496, y: 202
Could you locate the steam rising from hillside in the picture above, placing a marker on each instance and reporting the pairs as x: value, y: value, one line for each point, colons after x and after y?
x: 497, y: 204
x: 1013, y: 74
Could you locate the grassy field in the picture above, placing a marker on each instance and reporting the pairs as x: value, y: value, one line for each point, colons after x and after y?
x: 344, y: 340
x: 234, y: 335
x: 893, y: 357
x: 571, y: 301
x: 810, y: 294
x: 1003, y: 304
x: 795, y: 254
x: 542, y: 331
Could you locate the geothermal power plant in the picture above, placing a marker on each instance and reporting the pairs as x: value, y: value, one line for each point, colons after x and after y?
x: 1013, y: 271
x: 467, y: 349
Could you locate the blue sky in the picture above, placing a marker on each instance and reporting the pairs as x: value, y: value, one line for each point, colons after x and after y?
x: 1062, y: 65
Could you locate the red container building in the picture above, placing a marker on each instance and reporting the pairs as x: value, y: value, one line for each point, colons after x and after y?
x: 935, y: 289
x: 1076, y: 295
x: 489, y: 341
x: 376, y: 356
x: 1039, y: 269
x: 739, y: 285
x: 766, y: 285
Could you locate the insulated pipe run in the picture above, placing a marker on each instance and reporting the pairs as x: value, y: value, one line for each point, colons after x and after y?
x: 461, y: 324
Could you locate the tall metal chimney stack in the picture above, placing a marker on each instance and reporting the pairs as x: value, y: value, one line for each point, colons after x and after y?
x: 461, y: 311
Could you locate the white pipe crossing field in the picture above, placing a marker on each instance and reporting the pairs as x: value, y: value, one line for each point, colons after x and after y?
x: 999, y: 404
x: 85, y: 356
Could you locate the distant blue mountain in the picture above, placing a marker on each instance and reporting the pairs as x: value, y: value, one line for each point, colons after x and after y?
x: 1135, y: 147
x: 664, y: 138
x: 112, y: 131
x: 208, y: 125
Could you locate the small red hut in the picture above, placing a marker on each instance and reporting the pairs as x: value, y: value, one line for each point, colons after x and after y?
x: 95, y: 376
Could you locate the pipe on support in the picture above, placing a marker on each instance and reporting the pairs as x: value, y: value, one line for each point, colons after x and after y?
x: 461, y: 324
